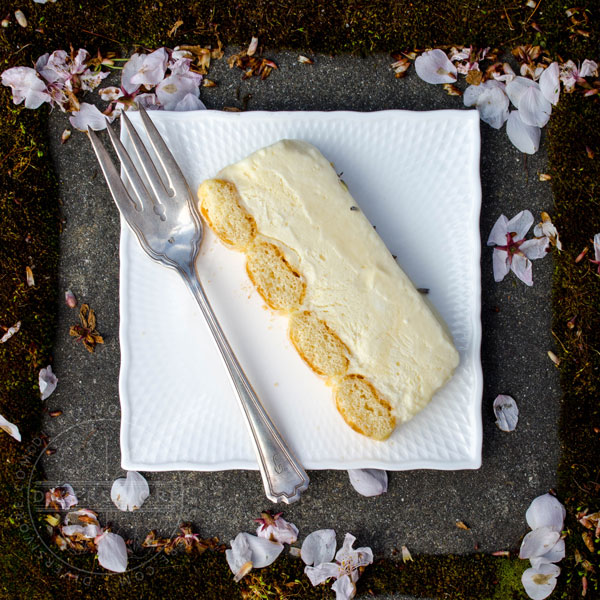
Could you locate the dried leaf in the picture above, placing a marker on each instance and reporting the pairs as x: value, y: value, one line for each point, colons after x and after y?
x: 462, y: 525
x: 588, y: 540
x: 305, y: 60
x: 581, y: 255
x: 206, y: 82
x: 474, y: 77
x: 55, y: 413
x: 175, y: 27
x: 451, y: 89
x: 86, y: 332
x: 29, y: 277
x: 66, y: 134
x: 545, y: 177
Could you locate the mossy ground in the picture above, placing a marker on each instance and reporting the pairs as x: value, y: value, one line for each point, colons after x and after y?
x: 30, y: 230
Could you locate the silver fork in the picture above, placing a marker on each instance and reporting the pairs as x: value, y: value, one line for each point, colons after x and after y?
x: 169, y: 229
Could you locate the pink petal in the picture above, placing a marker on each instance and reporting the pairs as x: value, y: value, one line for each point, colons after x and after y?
x: 540, y: 583
x: 517, y: 87
x: 520, y: 224
x: 174, y: 89
x: 493, y: 106
x: 47, y: 381
x: 554, y: 555
x: 525, y: 137
x: 434, y: 67
x: 190, y: 102
x: 498, y: 234
x: 589, y: 68
x: 108, y: 94
x: 472, y: 94
x: 112, y: 552
x: 500, y: 264
x: 369, y: 482
x: 597, y: 246
x: 88, y: 116
x: 26, y: 85
x: 534, y: 109
x: 344, y: 588
x: 322, y: 572
x: 521, y: 267
x: 550, y: 83
x: 507, y: 413
x: 538, y: 542
x: 128, y: 494
x: 132, y: 66
x: 10, y: 428
x: 359, y: 557
x: 535, y: 248
x: 239, y: 554
x: 546, y: 511
x: 282, y: 532
x: 264, y: 552
x: 153, y: 69
x: 319, y: 547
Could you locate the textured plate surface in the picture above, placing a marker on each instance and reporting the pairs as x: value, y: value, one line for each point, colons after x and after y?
x: 416, y: 177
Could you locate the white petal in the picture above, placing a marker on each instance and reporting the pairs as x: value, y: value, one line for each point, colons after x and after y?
x: 498, y: 233
x: 369, y: 482
x: 554, y: 555
x: 131, y: 67
x: 535, y: 248
x: 589, y: 68
x: 534, y: 109
x: 434, y: 67
x: 520, y: 224
x: 546, y: 511
x: 550, y: 83
x: 500, y: 264
x: 88, y: 531
x: 521, y: 267
x: 264, y: 552
x: 152, y: 70
x: 240, y: 553
x: 282, y: 532
x: 108, y: 94
x: 356, y: 558
x: 47, y: 381
x: 507, y: 413
x: 128, y: 494
x: 175, y: 88
x: 493, y: 106
x: 538, y: 542
x: 318, y: 547
x: 112, y: 552
x: 344, y: 588
x: 322, y: 572
x: 597, y: 246
x: 525, y: 137
x: 26, y: 85
x: 540, y: 583
x: 88, y: 116
x: 148, y: 101
x: 190, y: 102
x: 517, y: 87
x: 10, y: 428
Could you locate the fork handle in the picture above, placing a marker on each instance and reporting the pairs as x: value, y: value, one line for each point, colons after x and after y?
x: 283, y: 476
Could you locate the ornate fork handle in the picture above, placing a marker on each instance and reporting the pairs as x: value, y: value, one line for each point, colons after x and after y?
x: 283, y: 476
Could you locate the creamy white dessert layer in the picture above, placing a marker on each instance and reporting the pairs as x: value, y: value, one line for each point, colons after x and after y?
x: 352, y: 280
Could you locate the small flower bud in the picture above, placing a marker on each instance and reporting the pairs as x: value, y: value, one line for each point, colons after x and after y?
x: 70, y: 299
x: 20, y: 17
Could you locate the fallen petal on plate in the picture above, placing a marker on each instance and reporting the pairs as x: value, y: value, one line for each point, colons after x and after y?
x: 319, y: 547
x: 507, y: 413
x: 47, y: 382
x: 538, y: 542
x: 369, y: 482
x: 128, y: 494
x: 112, y: 552
x: 435, y: 67
x: 540, y: 583
x: 525, y: 137
x: 546, y: 511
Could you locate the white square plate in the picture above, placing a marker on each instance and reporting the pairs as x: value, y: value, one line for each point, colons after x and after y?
x: 416, y: 177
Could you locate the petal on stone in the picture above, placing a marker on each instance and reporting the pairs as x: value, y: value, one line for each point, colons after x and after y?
x: 282, y: 532
x: 472, y: 94
x: 538, y: 542
x: 128, y: 494
x: 264, y: 552
x: 319, y: 547
x: 498, y: 233
x: 47, y: 381
x: 152, y: 70
x: 535, y: 248
x: 190, y: 102
x: 540, y: 583
x: 517, y: 87
x: 507, y: 413
x: 534, y: 109
x: 525, y: 137
x: 239, y: 554
x: 546, y: 511
x: 554, y: 555
x: 521, y: 267
x: 435, y: 67
x: 322, y: 572
x: 173, y: 89
x: 369, y: 482
x: 112, y: 552
x: 597, y: 246
x: 358, y: 557
x: 344, y: 588
x: 11, y: 429
x: 550, y: 83
x: 88, y: 116
x: 500, y: 264
x: 493, y: 106
x: 520, y: 224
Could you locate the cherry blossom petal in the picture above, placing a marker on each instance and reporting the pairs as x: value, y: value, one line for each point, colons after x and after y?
x: 546, y: 511
x: 319, y: 547
x: 88, y: 116
x: 239, y: 557
x: 492, y: 105
x: 282, y: 532
x: 128, y: 494
x: 264, y: 552
x: 522, y: 268
x: 550, y: 83
x: 131, y: 68
x: 517, y: 87
x: 10, y: 428
x: 359, y: 557
x: 190, y: 102
x: 64, y: 496
x: 112, y: 552
x: 535, y: 248
x: 153, y: 69
x: 369, y: 482
x: 507, y: 413
x: 472, y: 94
x: 520, y: 224
x: 538, y: 542
x: 597, y: 246
x: 434, y: 67
x: 174, y: 89
x: 344, y: 588
x: 90, y: 80
x: 525, y: 137
x: 10, y: 332
x: 88, y: 531
x: 47, y: 382
x: 322, y: 572
x: 540, y: 583
x: 25, y: 85
x: 498, y: 234
x: 108, y: 94
x: 534, y: 109
x: 589, y: 68
x: 554, y: 555
x: 500, y: 264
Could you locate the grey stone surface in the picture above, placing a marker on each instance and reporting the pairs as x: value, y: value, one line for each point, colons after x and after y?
x: 421, y: 508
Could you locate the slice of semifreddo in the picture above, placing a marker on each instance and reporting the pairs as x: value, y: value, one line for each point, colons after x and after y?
x: 355, y: 317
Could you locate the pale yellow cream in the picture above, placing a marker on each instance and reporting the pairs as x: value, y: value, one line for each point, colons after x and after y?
x: 352, y: 280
